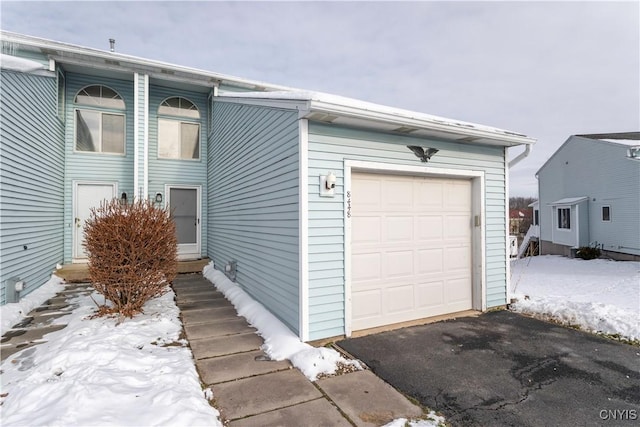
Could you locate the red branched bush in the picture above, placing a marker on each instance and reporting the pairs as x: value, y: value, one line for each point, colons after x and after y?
x: 132, y: 250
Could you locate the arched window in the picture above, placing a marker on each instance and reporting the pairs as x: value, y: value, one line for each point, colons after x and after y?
x: 99, y: 128
x: 178, y: 129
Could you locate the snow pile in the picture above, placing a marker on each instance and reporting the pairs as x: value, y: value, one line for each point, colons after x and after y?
x: 101, y: 372
x: 279, y: 342
x: 596, y: 295
x: 15, y: 63
x: 10, y: 314
x: 431, y: 420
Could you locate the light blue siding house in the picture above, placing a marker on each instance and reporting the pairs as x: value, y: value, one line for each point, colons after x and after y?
x: 589, y: 195
x: 336, y: 214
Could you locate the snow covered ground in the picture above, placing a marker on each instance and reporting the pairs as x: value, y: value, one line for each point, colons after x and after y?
x: 99, y: 372
x: 138, y: 372
x: 596, y: 295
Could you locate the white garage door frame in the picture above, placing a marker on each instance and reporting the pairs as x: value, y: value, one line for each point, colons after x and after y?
x: 478, y: 213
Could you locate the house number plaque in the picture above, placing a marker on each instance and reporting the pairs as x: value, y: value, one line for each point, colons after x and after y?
x: 348, y: 204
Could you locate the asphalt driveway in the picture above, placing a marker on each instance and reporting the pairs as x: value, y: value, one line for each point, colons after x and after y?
x: 503, y: 369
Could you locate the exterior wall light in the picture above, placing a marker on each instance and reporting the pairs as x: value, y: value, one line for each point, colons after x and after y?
x: 158, y: 198
x: 327, y: 185
x: 634, y: 153
x: 123, y: 198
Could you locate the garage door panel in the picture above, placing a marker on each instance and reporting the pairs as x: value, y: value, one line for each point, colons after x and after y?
x: 399, y: 264
x: 430, y: 294
x: 419, y: 265
x: 396, y: 195
x: 366, y: 230
x: 368, y: 199
x: 428, y: 194
x: 457, y: 259
x: 400, y: 299
x: 458, y: 227
x: 398, y: 228
x: 429, y: 227
x: 367, y: 305
x: 458, y: 195
x: 366, y: 266
x: 457, y: 290
x: 430, y: 261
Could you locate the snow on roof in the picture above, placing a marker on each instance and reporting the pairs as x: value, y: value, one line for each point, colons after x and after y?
x: 326, y: 98
x: 569, y: 201
x: 14, y: 63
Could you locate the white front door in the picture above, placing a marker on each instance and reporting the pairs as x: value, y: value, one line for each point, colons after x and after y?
x: 184, y: 205
x: 87, y: 196
x: 410, y: 248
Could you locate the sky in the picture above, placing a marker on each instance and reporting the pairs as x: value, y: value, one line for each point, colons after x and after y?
x: 546, y: 69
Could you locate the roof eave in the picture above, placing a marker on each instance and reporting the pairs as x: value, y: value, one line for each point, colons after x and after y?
x: 501, y: 138
x: 80, y: 55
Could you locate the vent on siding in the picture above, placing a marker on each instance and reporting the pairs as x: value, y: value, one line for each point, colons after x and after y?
x: 322, y: 117
x: 405, y: 129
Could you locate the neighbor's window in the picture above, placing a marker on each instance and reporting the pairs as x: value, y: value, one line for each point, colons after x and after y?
x: 606, y: 213
x: 564, y: 218
x: 178, y: 129
x: 100, y: 128
x: 536, y: 217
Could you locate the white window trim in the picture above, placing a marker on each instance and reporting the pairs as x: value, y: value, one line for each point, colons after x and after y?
x: 478, y: 235
x: 101, y: 111
x: 558, y: 219
x: 181, y: 121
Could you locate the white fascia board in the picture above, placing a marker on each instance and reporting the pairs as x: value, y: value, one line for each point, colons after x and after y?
x: 501, y: 137
x: 569, y: 201
x: 59, y: 49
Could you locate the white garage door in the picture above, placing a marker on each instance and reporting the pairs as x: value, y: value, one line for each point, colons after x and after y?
x: 410, y: 248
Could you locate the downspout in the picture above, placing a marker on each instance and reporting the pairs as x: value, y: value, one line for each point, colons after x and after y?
x: 513, y: 162
x: 521, y: 156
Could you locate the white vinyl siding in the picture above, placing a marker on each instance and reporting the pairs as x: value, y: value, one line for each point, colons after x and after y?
x: 253, y: 203
x: 31, y: 180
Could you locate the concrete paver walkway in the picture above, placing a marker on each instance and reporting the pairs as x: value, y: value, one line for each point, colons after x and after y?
x: 250, y: 391
x: 31, y: 330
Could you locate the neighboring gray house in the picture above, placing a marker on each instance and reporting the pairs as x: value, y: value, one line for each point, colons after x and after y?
x: 589, y: 195
x: 328, y: 205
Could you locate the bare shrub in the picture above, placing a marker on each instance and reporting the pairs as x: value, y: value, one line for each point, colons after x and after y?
x: 132, y: 250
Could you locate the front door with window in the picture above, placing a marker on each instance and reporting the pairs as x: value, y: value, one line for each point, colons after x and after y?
x: 184, y: 205
x: 87, y: 196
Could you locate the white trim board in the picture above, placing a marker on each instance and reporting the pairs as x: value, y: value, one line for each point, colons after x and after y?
x: 303, y: 207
